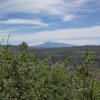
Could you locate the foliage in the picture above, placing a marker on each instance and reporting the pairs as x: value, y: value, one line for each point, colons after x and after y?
x: 24, y: 77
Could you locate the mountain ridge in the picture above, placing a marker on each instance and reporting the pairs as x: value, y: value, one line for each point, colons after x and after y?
x: 53, y: 45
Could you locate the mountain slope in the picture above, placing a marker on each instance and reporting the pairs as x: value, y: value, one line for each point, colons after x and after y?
x: 53, y: 45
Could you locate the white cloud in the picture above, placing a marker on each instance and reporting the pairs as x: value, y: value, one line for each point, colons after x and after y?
x: 70, y: 35
x: 24, y: 21
x: 4, y: 31
x: 30, y: 6
x: 81, y: 1
x: 59, y: 8
x: 68, y: 18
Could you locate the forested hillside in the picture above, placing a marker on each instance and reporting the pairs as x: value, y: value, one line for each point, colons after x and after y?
x: 76, y: 53
x: 23, y: 76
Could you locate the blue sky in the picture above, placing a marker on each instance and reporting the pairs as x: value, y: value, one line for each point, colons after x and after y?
x: 38, y: 21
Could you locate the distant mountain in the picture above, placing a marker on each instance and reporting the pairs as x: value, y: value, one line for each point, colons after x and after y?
x: 53, y: 45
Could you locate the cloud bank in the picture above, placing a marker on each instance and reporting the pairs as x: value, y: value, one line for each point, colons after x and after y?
x: 38, y: 21
x: 80, y: 36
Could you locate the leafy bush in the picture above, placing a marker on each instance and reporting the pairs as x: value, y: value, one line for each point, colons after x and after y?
x: 24, y: 77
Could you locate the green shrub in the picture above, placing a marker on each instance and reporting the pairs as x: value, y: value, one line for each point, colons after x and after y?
x: 24, y: 77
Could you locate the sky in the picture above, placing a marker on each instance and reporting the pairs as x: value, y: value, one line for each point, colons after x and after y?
x: 37, y: 21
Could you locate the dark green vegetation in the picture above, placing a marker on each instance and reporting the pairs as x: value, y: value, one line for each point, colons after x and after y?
x: 24, y: 77
x: 57, y: 54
